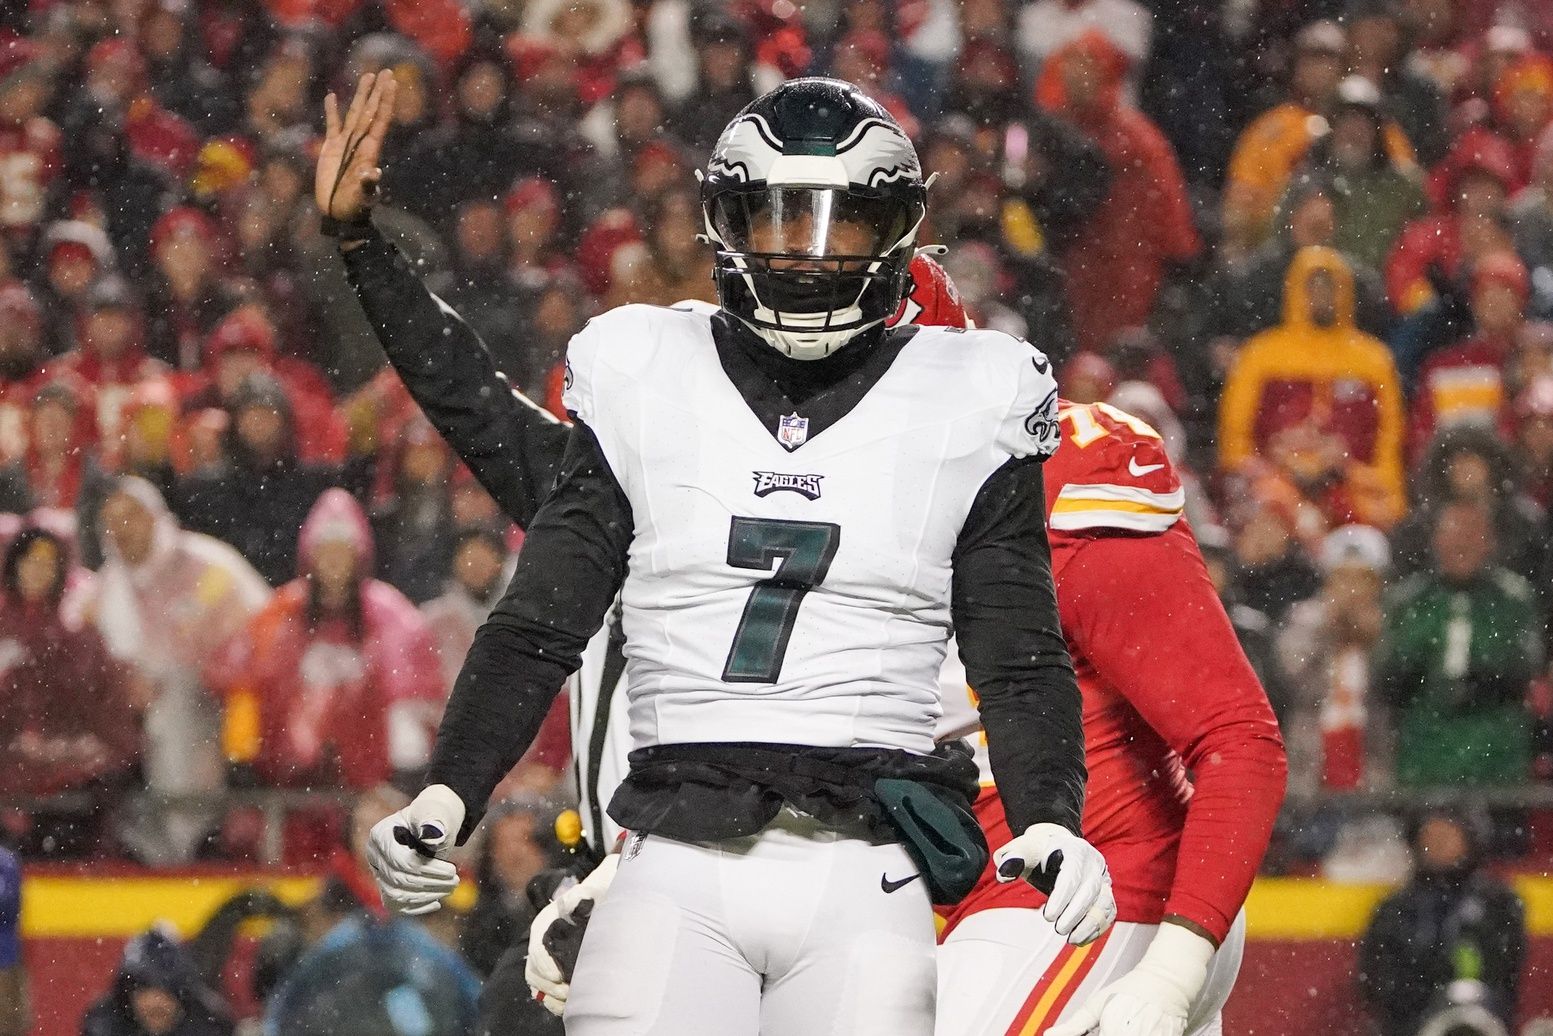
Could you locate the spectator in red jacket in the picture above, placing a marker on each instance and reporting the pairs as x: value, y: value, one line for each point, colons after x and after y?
x: 1469, y: 383
x: 534, y: 248
x: 1145, y: 223
x: 66, y: 720
x: 335, y: 682
x: 245, y: 343
x: 60, y: 457
x: 110, y: 356
x: 186, y: 294
x: 114, y: 100
x: 1470, y: 189
x: 74, y: 255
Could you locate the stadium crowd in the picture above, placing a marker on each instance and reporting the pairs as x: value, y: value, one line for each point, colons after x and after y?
x: 1308, y: 241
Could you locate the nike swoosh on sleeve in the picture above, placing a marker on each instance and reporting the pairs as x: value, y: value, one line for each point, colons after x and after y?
x: 1137, y: 470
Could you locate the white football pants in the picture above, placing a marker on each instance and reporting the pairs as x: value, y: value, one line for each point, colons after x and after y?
x: 1007, y: 971
x: 788, y: 932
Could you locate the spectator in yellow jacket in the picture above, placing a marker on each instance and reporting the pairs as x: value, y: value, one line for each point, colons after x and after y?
x: 1320, y: 399
x: 1276, y: 142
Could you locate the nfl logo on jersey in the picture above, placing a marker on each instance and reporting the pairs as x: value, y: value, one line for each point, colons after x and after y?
x: 793, y: 431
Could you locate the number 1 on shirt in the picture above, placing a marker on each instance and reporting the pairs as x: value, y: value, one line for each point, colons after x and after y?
x: 805, y: 550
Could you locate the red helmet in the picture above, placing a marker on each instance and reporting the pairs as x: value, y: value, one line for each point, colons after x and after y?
x: 933, y: 300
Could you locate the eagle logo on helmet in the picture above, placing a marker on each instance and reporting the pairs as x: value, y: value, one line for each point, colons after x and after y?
x: 875, y: 153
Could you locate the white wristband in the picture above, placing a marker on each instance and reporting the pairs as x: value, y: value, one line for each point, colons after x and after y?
x: 443, y: 803
x: 1180, y: 956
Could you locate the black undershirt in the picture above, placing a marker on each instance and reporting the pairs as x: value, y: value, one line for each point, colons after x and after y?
x: 823, y: 391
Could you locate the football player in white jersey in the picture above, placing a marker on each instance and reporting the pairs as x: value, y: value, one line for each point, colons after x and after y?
x: 793, y: 504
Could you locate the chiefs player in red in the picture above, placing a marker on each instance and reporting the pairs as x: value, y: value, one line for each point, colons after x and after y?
x: 1167, y: 691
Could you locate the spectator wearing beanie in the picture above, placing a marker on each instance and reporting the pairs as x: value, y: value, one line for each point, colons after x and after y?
x: 1470, y: 383
x: 1444, y: 954
x: 479, y: 284
x: 412, y: 517
x: 1325, y: 649
x: 182, y: 80
x: 1247, y: 298
x: 157, y: 990
x: 1377, y: 50
x: 110, y: 356
x: 1116, y: 266
x: 478, y: 153
x: 279, y: 103
x: 621, y: 128
x: 262, y: 491
x: 722, y: 60
x: 245, y: 343
x: 1319, y: 399
x: 1377, y: 195
x: 60, y: 459
x: 533, y: 229
x: 74, y: 255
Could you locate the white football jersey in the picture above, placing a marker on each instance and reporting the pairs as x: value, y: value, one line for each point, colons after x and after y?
x: 787, y: 587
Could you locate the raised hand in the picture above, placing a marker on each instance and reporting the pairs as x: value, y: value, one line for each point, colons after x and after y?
x: 348, y: 172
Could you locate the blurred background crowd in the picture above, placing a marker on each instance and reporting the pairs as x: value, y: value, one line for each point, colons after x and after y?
x: 1309, y: 241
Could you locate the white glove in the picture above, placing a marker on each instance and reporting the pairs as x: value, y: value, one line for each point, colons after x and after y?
x: 410, y: 882
x: 1081, y: 906
x: 546, y: 978
x: 1154, y: 997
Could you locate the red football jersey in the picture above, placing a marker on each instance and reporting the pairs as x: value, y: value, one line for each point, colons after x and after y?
x: 1165, y: 685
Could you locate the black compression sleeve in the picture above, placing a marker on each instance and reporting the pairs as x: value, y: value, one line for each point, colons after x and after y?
x: 511, y: 444
x: 1005, y: 618
x: 572, y: 564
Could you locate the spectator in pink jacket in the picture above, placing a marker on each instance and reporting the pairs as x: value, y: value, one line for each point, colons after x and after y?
x: 335, y: 682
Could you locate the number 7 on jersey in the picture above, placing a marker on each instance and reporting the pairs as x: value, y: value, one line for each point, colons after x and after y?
x: 805, y: 551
